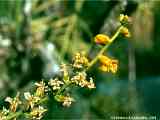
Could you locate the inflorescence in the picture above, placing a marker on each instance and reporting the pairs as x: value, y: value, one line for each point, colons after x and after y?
x: 31, y: 104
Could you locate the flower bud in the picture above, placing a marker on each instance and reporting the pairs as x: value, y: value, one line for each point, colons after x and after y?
x: 102, y: 39
x: 123, y: 18
x: 125, y: 32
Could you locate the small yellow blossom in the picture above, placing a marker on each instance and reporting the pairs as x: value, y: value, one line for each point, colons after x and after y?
x: 80, y: 79
x: 102, y: 39
x: 41, y: 89
x: 125, y: 32
x: 123, y: 17
x: 67, y: 101
x: 14, y: 102
x: 108, y: 65
x: 79, y: 60
x: 31, y: 99
x: 55, y: 84
x: 37, y: 112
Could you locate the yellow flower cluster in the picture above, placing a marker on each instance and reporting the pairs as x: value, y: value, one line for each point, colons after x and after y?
x: 80, y: 60
x: 66, y: 100
x: 108, y: 64
x: 72, y: 74
x: 55, y: 84
x: 37, y: 112
x: 41, y: 89
x: 80, y: 79
x: 31, y: 104
x: 124, y: 19
x: 31, y: 100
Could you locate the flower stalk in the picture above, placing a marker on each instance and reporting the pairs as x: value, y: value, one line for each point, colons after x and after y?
x: 104, y: 48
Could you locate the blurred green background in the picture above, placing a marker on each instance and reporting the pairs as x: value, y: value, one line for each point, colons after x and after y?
x: 36, y: 36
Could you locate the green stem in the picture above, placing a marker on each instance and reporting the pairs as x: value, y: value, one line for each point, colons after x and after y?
x: 104, y: 48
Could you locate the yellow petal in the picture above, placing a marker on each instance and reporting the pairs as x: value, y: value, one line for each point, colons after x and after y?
x: 104, y: 59
x: 102, y: 39
x: 125, y: 32
x: 104, y: 68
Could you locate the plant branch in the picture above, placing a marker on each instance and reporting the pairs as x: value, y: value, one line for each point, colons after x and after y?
x: 104, y: 48
x: 96, y: 58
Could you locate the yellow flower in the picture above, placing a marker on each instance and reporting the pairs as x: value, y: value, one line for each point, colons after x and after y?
x: 123, y: 18
x: 80, y: 60
x: 66, y: 100
x: 125, y: 32
x: 107, y: 64
x: 55, y: 84
x: 14, y: 102
x: 37, y: 112
x: 41, y: 89
x: 31, y: 99
x: 80, y: 79
x: 102, y: 39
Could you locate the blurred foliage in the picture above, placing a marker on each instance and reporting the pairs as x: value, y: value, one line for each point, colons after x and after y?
x: 37, y: 35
